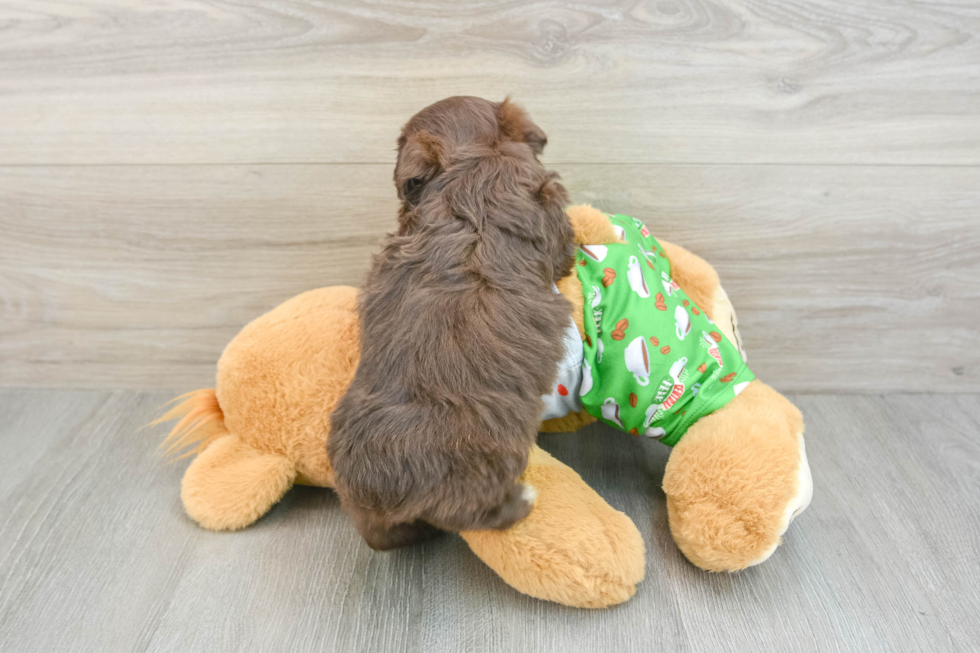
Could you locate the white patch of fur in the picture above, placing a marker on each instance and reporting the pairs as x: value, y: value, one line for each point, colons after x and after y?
x: 529, y: 494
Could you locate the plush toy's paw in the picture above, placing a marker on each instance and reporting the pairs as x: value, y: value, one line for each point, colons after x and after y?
x: 568, y: 423
x: 230, y: 485
x: 573, y: 548
x: 736, y: 479
x: 797, y: 503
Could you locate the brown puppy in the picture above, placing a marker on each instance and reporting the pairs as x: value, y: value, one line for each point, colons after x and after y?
x: 460, y: 330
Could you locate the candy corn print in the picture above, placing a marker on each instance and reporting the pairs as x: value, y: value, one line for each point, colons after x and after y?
x: 653, y: 361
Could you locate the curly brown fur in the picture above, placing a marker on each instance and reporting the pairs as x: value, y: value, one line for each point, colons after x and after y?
x: 460, y: 329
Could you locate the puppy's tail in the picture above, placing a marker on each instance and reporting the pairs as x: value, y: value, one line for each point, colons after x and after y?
x: 201, y: 423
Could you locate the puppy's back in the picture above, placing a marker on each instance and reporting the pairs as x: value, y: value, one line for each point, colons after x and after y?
x: 444, y: 407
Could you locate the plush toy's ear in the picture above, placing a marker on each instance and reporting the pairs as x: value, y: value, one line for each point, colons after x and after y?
x: 516, y: 126
x: 592, y: 226
x: 420, y: 158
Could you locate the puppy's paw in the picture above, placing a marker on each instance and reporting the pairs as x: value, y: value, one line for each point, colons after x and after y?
x: 516, y: 506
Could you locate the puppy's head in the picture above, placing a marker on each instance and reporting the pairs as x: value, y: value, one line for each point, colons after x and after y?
x: 483, y: 157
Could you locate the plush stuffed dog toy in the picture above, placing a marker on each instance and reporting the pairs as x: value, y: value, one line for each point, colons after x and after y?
x: 654, y: 351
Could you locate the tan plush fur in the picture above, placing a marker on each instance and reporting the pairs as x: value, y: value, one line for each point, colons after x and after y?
x: 573, y: 548
x: 265, y: 427
x: 201, y: 422
x: 231, y: 484
x: 280, y: 378
x: 730, y: 478
x: 591, y: 225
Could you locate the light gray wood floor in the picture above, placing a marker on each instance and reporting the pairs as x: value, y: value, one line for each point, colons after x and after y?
x: 97, y: 555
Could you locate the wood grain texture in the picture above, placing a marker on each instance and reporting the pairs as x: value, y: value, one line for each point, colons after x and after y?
x: 846, y: 279
x: 96, y: 554
x: 206, y: 81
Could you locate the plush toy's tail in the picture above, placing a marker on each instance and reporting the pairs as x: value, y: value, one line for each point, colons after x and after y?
x: 201, y: 423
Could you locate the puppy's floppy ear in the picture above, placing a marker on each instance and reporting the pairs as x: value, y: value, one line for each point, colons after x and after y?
x: 516, y: 126
x: 420, y: 158
x: 558, y: 233
x: 551, y: 192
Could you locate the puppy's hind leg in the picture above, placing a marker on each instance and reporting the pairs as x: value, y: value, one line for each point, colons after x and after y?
x: 516, y: 506
x: 383, y: 536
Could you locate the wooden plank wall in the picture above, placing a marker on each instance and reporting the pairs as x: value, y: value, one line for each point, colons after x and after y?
x: 170, y: 170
